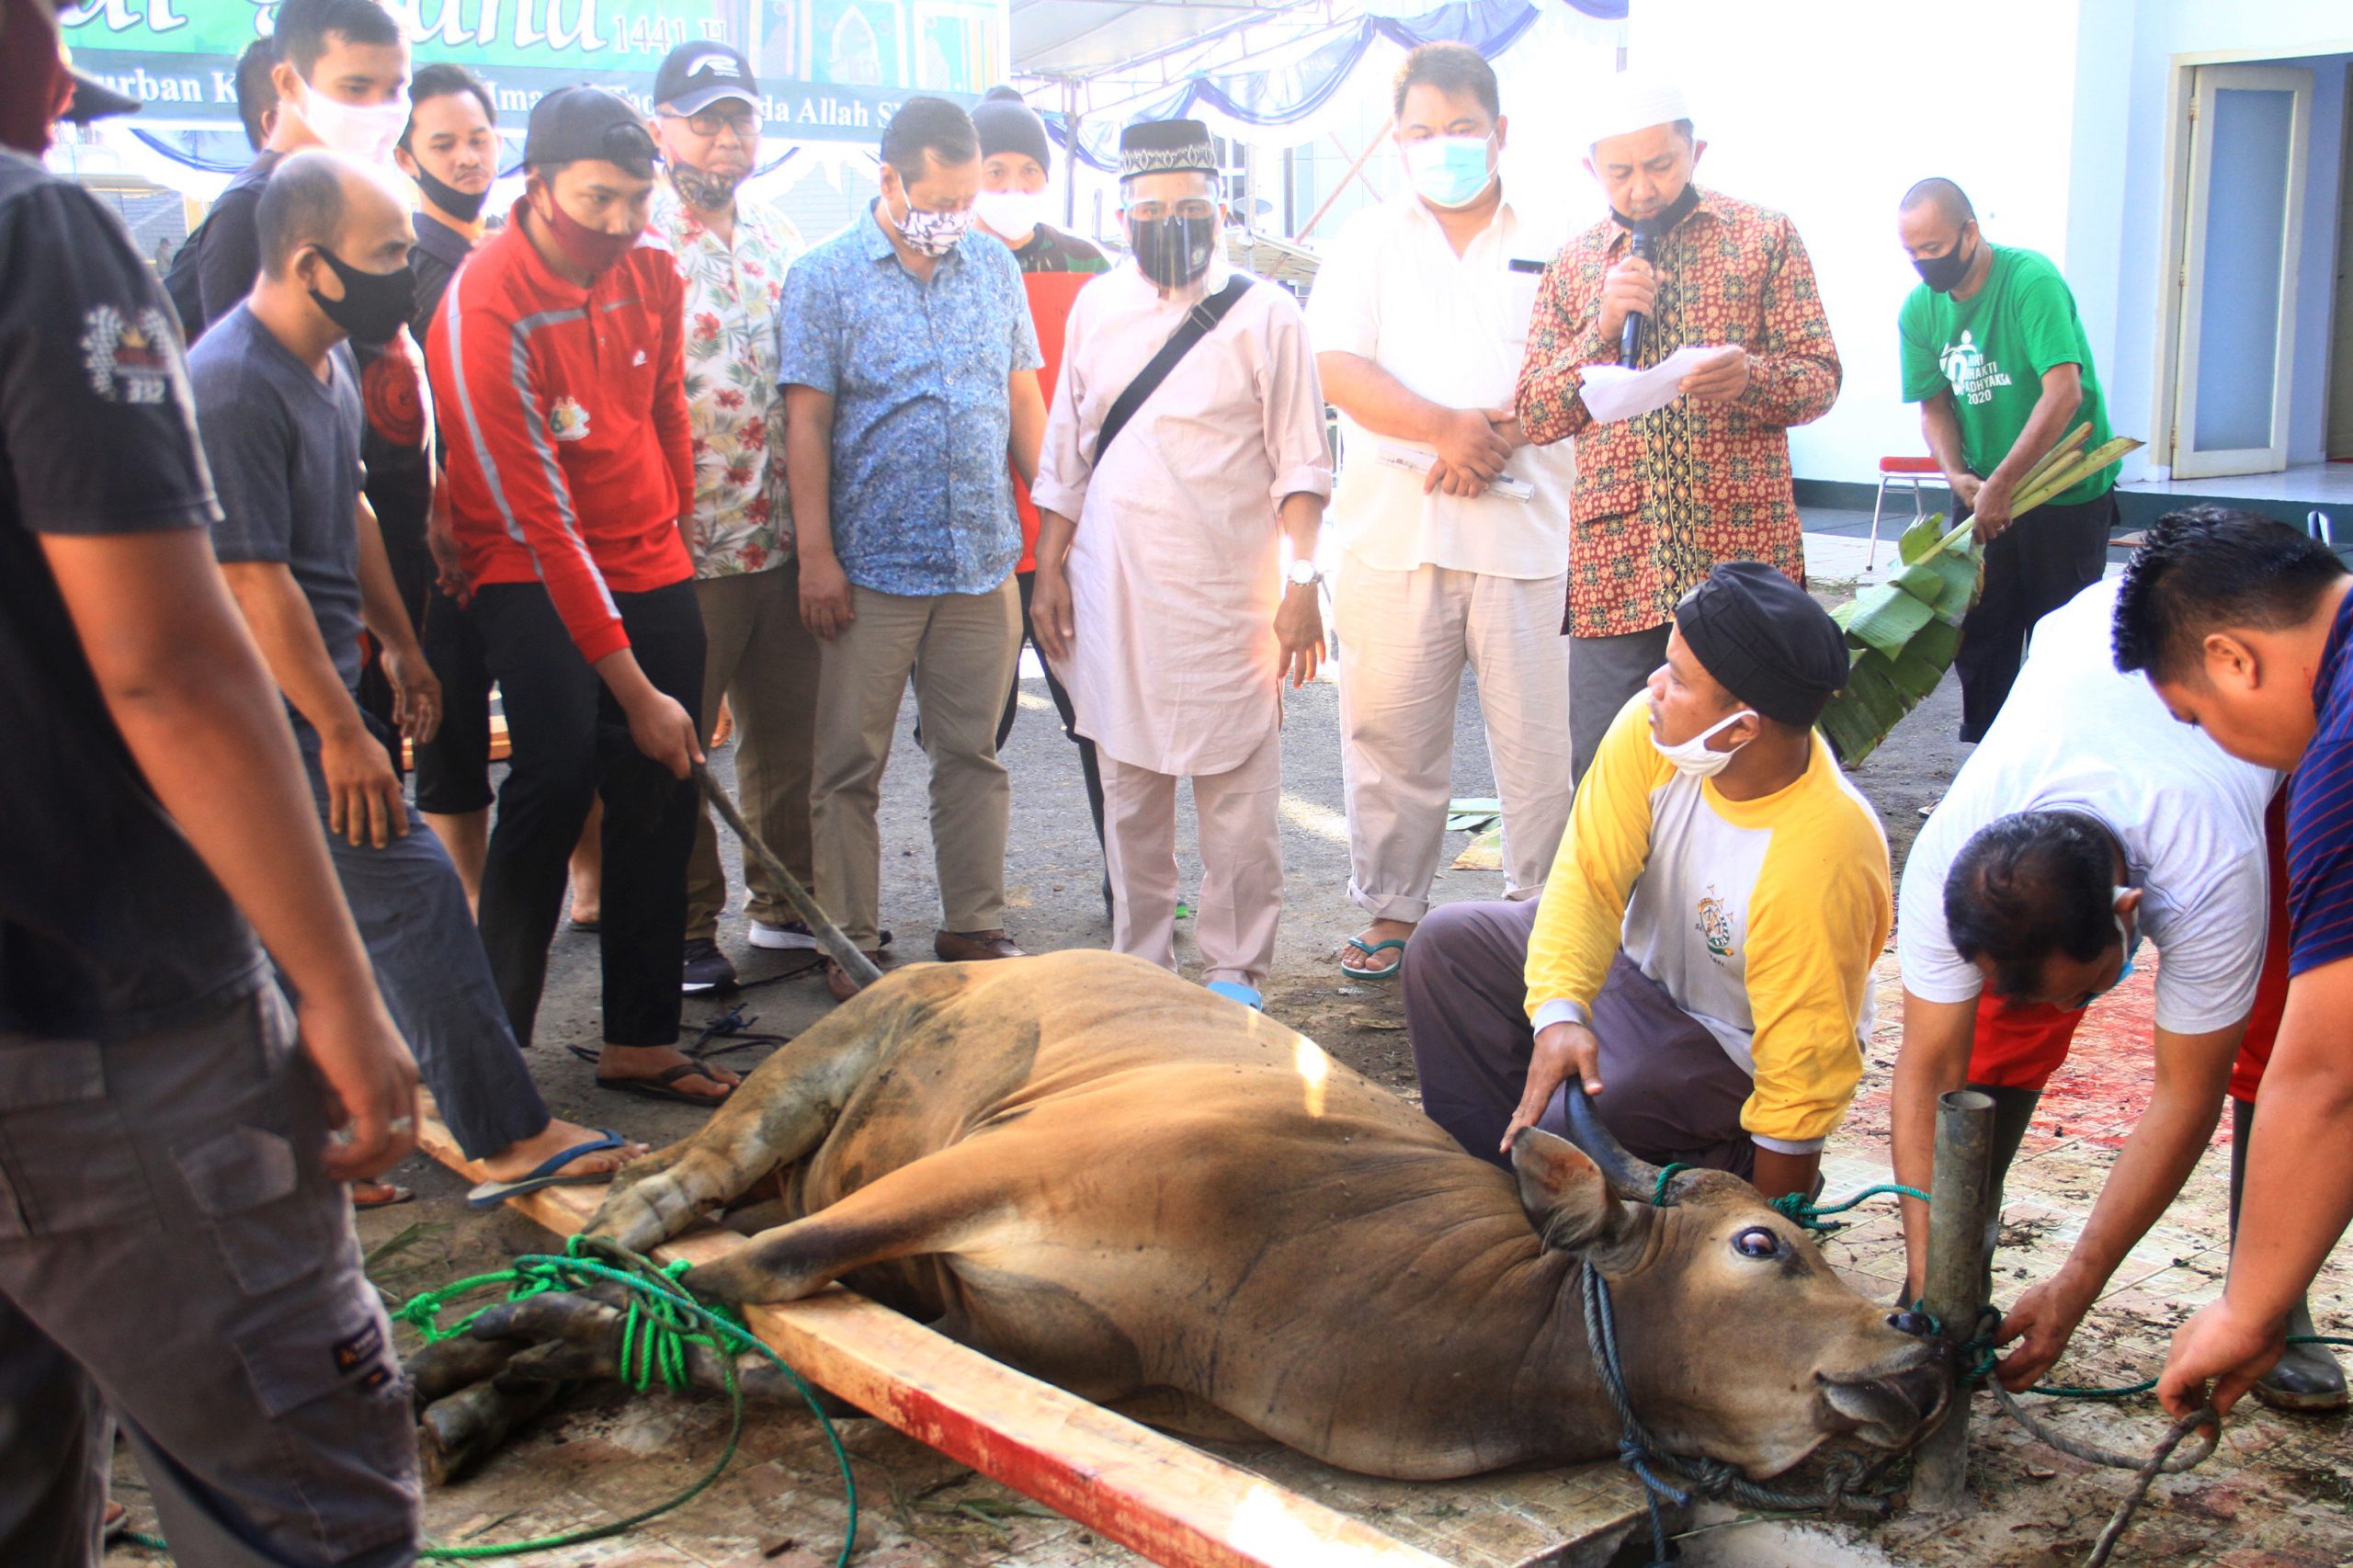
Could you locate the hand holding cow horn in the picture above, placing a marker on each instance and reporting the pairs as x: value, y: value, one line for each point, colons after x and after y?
x: 1561, y: 1049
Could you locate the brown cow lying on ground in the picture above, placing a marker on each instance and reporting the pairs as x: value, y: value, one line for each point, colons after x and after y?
x: 1108, y: 1177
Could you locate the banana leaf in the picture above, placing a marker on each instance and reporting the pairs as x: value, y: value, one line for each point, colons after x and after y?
x: 1901, y: 635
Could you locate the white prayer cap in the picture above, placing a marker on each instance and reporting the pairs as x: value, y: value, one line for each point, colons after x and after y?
x: 1631, y: 101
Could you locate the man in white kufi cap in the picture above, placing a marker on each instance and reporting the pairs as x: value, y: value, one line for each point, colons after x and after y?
x: 1662, y: 497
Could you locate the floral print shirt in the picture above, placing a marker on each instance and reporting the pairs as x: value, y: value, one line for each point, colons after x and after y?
x: 1660, y: 499
x: 736, y: 413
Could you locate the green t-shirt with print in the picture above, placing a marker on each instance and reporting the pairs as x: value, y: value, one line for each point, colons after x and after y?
x: 1990, y: 352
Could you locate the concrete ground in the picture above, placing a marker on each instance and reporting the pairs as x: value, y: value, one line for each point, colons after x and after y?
x: 2279, y: 1496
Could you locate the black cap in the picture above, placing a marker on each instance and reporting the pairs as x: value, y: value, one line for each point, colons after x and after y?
x: 1161, y: 146
x: 1007, y: 124
x: 93, y: 99
x: 696, y: 75
x: 572, y: 123
x: 1765, y: 641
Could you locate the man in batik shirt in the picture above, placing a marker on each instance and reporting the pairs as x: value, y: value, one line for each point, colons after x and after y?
x: 733, y: 255
x: 1662, y: 497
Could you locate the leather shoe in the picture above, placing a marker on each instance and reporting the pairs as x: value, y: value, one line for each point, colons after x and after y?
x: 973, y: 946
x: 838, y: 981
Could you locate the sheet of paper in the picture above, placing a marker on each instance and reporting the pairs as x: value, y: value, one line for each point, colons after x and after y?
x: 1419, y: 461
x: 1614, y: 393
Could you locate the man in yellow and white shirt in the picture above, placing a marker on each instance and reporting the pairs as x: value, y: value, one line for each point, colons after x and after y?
x: 1701, y: 956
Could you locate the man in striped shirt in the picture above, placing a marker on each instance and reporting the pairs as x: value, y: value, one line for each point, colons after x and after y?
x: 2242, y: 625
x: 569, y: 477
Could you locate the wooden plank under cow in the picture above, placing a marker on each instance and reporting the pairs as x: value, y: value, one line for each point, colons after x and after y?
x: 1150, y: 1493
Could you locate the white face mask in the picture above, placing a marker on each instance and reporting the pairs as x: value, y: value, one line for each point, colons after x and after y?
x: 931, y: 233
x: 1010, y: 214
x: 1693, y: 759
x: 366, y: 132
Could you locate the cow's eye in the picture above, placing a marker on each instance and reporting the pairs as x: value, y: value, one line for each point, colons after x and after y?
x: 1756, y: 1242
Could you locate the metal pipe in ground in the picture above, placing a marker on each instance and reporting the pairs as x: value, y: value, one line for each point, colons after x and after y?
x: 837, y: 946
x: 1956, y: 1279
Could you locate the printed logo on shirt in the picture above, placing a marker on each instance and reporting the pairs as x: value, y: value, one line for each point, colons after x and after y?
x: 1715, y: 923
x: 1973, y: 376
x: 129, y: 357
x: 639, y: 359
x: 567, y: 421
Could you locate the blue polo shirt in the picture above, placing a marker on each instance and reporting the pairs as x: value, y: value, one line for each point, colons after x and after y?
x: 922, y: 500
x: 2320, y: 815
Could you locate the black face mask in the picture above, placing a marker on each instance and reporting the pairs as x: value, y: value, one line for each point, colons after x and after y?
x: 463, y: 206
x: 1665, y: 220
x: 375, y: 305
x: 709, y: 192
x: 1174, y: 251
x: 1944, y: 273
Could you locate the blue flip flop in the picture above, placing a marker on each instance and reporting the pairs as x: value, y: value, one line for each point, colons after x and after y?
x: 1234, y: 991
x: 491, y: 1194
x: 1374, y: 950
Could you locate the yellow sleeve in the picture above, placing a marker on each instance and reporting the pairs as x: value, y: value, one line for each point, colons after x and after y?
x: 1821, y: 916
x: 1579, y: 923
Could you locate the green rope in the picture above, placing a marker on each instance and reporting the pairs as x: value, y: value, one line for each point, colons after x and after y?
x: 1794, y: 1206
x: 663, y: 1324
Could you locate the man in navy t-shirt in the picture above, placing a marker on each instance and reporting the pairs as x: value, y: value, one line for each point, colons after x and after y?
x: 2241, y: 623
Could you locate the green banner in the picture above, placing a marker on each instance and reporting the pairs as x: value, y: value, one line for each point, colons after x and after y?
x: 830, y: 69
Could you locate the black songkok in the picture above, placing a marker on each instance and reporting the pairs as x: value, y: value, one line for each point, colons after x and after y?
x: 1765, y: 641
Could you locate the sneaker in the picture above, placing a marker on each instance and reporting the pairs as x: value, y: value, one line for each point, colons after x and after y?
x: 791, y: 935
x: 705, y: 969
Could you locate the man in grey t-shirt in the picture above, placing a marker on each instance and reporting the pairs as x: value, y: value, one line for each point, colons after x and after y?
x: 277, y: 407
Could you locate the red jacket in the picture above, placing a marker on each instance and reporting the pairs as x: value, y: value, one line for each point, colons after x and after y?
x: 565, y: 411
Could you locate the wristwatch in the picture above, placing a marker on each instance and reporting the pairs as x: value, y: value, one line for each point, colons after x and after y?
x: 1304, y: 573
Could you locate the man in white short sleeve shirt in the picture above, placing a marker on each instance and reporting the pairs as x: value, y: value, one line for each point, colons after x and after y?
x: 2087, y: 820
x: 1419, y: 319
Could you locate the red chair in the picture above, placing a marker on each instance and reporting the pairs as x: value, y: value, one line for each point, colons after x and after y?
x: 1898, y: 471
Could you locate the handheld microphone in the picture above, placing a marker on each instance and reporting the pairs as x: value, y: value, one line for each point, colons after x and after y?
x: 1644, y: 245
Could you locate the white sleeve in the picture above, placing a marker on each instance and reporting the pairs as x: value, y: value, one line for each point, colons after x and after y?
x: 2210, y: 952
x: 1932, y: 970
x: 1344, y: 308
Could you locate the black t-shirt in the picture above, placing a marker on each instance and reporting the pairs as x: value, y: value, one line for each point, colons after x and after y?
x: 109, y: 924
x: 228, y: 245
x: 440, y: 251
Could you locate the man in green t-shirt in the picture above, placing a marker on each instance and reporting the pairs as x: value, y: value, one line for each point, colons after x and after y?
x: 1994, y: 355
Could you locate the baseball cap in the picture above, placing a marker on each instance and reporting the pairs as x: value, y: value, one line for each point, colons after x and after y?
x: 696, y: 75
x: 572, y: 123
x: 93, y: 99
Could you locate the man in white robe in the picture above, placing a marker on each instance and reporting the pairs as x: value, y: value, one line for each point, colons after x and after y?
x: 1163, y: 595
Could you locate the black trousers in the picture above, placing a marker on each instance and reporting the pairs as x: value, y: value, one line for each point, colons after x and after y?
x: 571, y: 745
x: 413, y: 575
x: 2039, y: 562
x: 453, y: 768
x: 1026, y: 582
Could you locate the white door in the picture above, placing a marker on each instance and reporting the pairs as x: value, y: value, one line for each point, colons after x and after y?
x: 2250, y: 130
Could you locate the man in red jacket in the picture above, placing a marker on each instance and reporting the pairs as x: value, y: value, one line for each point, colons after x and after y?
x: 569, y: 473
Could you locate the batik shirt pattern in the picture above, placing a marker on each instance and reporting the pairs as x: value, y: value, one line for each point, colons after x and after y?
x: 734, y: 294
x: 1660, y: 499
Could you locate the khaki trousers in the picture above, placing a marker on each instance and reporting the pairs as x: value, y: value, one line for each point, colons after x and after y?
x: 1405, y: 637
x: 763, y: 659
x: 961, y: 649
x: 1242, y: 863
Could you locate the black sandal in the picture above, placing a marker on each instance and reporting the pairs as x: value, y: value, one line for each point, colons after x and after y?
x: 658, y: 1086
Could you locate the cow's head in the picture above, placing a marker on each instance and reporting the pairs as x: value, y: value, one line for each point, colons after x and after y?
x: 1736, y: 1340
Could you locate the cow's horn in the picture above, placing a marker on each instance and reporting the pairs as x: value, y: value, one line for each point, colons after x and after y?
x: 1630, y: 1178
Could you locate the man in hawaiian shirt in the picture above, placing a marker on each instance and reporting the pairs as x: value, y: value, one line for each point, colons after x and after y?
x: 1662, y: 497
x: 733, y: 255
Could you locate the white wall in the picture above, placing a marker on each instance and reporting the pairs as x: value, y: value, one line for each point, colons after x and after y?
x: 2058, y: 135
x: 1831, y: 112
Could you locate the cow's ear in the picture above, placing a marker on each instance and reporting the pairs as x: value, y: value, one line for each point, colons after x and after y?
x: 1564, y: 1193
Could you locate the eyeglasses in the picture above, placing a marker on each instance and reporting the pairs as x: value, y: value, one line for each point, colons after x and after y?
x: 743, y: 122
x: 1152, y: 211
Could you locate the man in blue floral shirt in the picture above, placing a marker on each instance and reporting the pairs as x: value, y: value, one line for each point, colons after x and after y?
x: 733, y: 254
x: 908, y: 361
